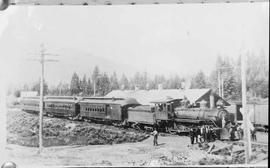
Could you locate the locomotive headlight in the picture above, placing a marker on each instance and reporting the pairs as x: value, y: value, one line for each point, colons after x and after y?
x: 4, y: 4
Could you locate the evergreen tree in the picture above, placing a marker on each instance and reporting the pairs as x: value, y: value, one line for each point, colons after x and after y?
x: 83, y: 86
x: 75, y: 84
x: 124, y: 83
x: 103, y: 83
x: 89, y: 90
x: 95, y: 77
x: 95, y: 73
x: 257, y: 75
x: 137, y: 80
x: 36, y: 87
x: 114, y: 82
x: 144, y: 80
x: 26, y: 87
x: 158, y: 79
x: 229, y: 73
x: 199, y: 81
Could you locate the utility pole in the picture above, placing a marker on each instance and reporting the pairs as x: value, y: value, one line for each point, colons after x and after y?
x: 244, y: 111
x: 42, y: 60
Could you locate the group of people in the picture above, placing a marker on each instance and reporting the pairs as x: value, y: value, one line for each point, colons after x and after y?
x: 235, y: 131
x: 201, y: 134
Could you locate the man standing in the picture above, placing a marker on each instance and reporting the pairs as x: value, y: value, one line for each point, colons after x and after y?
x: 203, y: 133
x: 207, y: 130
x: 155, y: 134
x: 198, y: 133
x: 191, y: 135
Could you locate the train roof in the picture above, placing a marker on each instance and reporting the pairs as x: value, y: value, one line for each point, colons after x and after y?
x: 141, y: 108
x: 101, y: 98
x: 120, y: 101
x: 60, y: 100
x: 62, y: 97
x: 32, y: 97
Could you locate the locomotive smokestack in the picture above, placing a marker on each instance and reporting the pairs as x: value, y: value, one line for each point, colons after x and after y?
x: 212, y: 100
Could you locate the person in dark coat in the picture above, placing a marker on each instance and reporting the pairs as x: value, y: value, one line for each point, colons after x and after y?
x: 232, y: 132
x: 204, y: 133
x: 191, y: 135
x: 253, y: 135
x: 155, y: 134
x: 195, y: 134
x: 207, y: 131
x: 198, y: 133
x: 212, y: 134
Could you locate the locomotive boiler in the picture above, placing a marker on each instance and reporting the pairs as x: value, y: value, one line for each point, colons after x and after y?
x: 202, y: 115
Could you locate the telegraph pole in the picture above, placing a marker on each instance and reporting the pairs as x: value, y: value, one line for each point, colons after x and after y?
x: 42, y: 60
x: 244, y: 111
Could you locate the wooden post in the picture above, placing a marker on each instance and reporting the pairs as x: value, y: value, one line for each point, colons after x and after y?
x: 41, y: 102
x: 42, y: 60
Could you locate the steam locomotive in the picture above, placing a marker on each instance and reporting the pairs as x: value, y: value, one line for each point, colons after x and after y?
x: 167, y: 114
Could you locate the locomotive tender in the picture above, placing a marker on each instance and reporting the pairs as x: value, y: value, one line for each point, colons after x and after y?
x: 167, y: 114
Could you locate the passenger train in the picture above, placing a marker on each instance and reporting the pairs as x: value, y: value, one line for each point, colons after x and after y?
x: 167, y: 115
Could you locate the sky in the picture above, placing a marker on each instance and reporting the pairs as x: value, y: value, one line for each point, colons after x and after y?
x: 158, y: 39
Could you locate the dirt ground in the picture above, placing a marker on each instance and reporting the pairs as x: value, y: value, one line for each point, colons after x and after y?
x: 23, y: 130
x: 172, y: 150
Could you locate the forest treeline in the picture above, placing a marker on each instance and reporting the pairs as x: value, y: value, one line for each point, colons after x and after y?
x: 230, y: 72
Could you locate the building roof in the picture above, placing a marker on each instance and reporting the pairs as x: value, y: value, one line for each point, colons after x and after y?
x: 147, y: 96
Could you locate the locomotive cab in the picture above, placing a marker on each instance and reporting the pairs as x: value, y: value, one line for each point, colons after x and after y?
x: 164, y: 109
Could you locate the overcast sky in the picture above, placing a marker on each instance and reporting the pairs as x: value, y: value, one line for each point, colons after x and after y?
x: 159, y: 39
